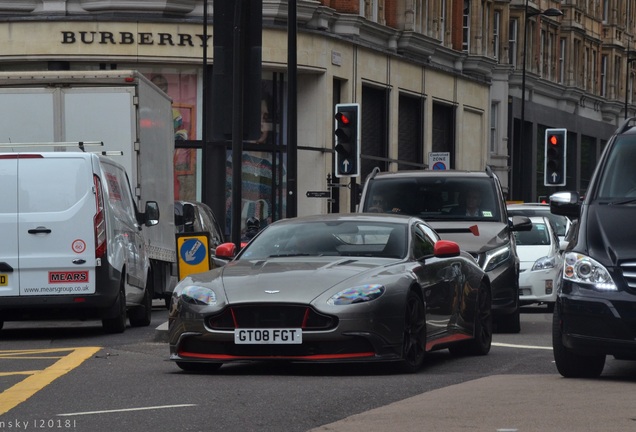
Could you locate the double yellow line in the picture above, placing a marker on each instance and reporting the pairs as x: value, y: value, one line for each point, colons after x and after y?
x: 68, y: 359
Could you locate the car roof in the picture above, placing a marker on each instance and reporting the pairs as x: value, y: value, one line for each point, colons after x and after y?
x: 341, y: 217
x: 431, y: 173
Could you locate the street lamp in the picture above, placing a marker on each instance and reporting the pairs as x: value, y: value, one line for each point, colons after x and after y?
x: 551, y: 12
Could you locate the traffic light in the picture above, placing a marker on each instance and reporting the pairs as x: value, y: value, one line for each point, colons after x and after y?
x: 347, y: 143
x: 555, y: 153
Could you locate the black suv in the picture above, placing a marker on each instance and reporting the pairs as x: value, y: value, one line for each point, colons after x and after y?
x: 595, y: 313
x: 466, y: 207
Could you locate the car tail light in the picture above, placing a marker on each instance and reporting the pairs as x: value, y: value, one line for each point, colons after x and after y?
x: 99, y: 221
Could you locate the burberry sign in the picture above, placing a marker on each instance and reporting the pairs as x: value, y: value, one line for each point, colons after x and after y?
x: 130, y: 38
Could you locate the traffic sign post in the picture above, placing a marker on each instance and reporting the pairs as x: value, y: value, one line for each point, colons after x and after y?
x: 194, y: 253
x: 347, y: 140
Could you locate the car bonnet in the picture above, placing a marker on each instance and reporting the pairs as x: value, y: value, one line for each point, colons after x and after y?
x: 610, y: 232
x: 299, y: 279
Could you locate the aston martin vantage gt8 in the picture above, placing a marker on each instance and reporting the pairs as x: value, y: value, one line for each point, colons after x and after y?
x: 334, y: 288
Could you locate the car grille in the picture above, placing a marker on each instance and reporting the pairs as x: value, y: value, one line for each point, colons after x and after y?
x: 629, y: 273
x: 271, y: 316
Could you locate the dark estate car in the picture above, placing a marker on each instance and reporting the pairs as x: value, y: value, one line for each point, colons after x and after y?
x: 334, y: 288
x: 595, y: 312
x: 468, y: 208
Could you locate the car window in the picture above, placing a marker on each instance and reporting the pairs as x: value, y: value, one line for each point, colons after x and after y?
x: 423, y: 241
x: 539, y: 235
x: 347, y: 238
x: 435, y: 197
x: 560, y: 223
x: 618, y: 178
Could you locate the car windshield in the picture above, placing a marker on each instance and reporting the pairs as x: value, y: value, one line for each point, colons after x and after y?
x: 537, y: 236
x: 560, y: 223
x: 618, y: 178
x: 435, y: 198
x: 333, y: 238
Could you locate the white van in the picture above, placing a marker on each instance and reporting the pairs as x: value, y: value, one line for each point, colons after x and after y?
x: 71, y: 241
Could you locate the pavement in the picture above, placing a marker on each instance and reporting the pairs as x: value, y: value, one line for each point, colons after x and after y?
x: 502, y: 403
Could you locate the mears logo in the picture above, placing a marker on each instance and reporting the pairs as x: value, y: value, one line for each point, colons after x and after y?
x: 65, y: 277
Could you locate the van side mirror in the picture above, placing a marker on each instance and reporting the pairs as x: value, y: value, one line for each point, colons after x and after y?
x: 566, y: 203
x: 151, y: 213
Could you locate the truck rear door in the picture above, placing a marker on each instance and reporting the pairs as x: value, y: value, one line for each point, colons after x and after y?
x: 9, y: 283
x: 56, y: 234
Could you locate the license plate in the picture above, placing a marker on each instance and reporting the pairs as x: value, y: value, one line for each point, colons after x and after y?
x: 268, y: 336
x: 4, y: 280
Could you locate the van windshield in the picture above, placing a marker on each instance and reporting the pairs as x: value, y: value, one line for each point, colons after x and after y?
x: 618, y: 179
x: 434, y: 198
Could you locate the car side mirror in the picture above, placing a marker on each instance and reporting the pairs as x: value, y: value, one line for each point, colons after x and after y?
x: 188, y: 217
x: 520, y: 223
x: 225, y: 251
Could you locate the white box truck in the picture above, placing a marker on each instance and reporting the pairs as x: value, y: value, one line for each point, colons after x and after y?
x: 120, y: 108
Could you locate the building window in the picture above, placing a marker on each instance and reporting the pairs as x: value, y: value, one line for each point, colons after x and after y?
x: 369, y: 9
x: 495, y: 34
x: 605, y: 11
x: 442, y: 21
x: 617, y: 75
x: 586, y: 60
x: 466, y: 27
x: 512, y: 41
x: 562, y: 52
x: 543, y: 52
x: 604, y: 76
x: 494, y: 116
x: 593, y: 83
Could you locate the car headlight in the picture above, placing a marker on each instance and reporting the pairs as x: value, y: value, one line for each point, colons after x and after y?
x: 196, y: 294
x: 496, y: 257
x: 359, y: 294
x: 582, y: 269
x: 544, y: 263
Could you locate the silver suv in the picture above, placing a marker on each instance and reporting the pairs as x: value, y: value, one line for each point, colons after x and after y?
x: 466, y: 207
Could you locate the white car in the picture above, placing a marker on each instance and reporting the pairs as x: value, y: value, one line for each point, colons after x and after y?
x: 540, y: 263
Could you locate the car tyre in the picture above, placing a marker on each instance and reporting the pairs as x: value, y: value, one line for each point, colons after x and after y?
x: 117, y: 324
x: 482, y: 341
x: 510, y: 323
x: 414, y: 341
x: 199, y: 367
x: 568, y: 363
x: 140, y: 316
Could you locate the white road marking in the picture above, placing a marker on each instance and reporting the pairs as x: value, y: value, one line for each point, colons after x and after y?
x: 125, y: 410
x: 521, y: 346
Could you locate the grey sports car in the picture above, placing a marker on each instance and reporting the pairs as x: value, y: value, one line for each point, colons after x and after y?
x: 334, y: 288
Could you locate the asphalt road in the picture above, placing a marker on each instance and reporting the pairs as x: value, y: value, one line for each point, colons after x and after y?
x: 126, y: 384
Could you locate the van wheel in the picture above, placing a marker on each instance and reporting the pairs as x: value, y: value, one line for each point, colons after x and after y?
x: 140, y: 316
x: 117, y: 324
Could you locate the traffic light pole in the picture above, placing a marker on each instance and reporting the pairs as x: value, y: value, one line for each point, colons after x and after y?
x: 292, y: 113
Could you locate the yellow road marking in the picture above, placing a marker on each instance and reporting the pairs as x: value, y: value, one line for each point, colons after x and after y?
x: 39, y: 379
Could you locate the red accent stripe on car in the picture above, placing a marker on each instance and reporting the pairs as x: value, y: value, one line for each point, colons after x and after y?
x: 186, y: 355
x: 447, y: 339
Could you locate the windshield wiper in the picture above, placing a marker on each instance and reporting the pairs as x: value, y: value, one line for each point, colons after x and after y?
x: 628, y: 201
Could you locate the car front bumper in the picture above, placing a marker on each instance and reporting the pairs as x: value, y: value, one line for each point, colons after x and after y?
x: 596, y: 322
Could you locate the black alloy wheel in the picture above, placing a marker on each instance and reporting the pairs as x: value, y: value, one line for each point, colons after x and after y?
x: 414, y: 342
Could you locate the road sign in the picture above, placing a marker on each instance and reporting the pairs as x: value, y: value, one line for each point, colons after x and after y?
x: 194, y: 253
x: 318, y: 194
x: 439, y: 160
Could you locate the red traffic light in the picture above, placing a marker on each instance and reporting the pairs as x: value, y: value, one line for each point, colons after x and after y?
x: 341, y: 117
x: 553, y: 139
